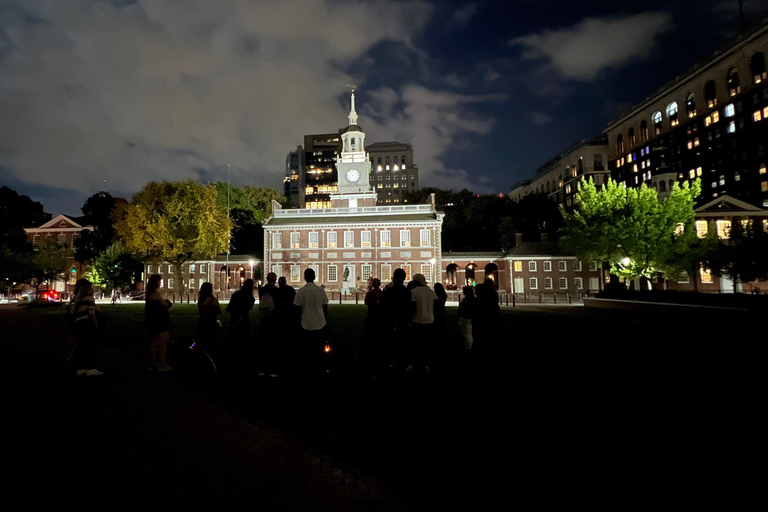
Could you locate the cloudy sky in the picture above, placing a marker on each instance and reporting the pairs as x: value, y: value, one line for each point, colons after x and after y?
x: 112, y: 94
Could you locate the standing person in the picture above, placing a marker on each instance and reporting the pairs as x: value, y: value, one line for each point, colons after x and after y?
x: 208, y: 311
x: 239, y: 308
x: 395, y: 312
x: 371, y: 350
x: 83, y: 309
x: 440, y: 348
x: 486, y: 319
x: 269, y: 315
x: 157, y: 319
x: 288, y: 321
x: 314, y: 311
x: 466, y: 313
x: 422, y: 324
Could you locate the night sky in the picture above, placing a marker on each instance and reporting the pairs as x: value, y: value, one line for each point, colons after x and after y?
x: 109, y: 95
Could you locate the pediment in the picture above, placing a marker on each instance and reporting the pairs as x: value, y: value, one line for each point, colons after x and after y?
x: 728, y: 204
x: 60, y: 222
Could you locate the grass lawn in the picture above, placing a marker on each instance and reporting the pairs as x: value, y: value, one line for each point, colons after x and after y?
x: 567, y: 400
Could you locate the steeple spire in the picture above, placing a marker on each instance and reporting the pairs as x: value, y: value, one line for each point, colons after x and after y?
x: 352, y: 113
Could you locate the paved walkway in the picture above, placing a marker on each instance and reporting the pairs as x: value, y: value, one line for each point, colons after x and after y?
x: 133, y: 439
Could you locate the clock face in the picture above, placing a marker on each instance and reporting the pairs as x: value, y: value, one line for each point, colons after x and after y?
x: 353, y: 175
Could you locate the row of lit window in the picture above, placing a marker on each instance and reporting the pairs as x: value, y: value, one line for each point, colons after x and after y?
x: 322, y: 189
x: 562, y: 266
x: 387, y: 168
x: 332, y: 274
x: 161, y: 269
x: 724, y: 227
x: 759, y: 115
x: 710, y: 93
x: 331, y: 239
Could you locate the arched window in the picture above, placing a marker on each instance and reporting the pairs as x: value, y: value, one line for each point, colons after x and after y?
x: 352, y: 142
x: 598, y: 166
x: 492, y: 273
x: 671, y: 184
x: 662, y: 186
x: 657, y: 123
x: 672, y: 114
x: 450, y: 276
x: 690, y: 105
x: 469, y: 274
x: 619, y: 144
x: 631, y: 138
x: 757, y: 66
x: 643, y: 131
x: 734, y: 86
x: 710, y: 93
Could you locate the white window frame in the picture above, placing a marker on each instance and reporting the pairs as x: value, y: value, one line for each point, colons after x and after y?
x: 35, y: 239
x: 277, y: 240
x: 548, y: 283
x: 577, y: 266
x: 170, y: 268
x: 295, y: 274
x: 366, y: 272
x: 314, y: 239
x: 593, y: 266
x: 149, y: 270
x: 405, y: 238
x: 562, y: 266
x: 160, y: 269
x: 170, y: 283
x: 579, y: 283
x: 349, y: 239
x: 426, y: 271
x: 531, y: 266
x: 385, y: 238
x: 547, y: 265
x: 331, y: 239
x: 365, y: 238
x: 533, y: 283
x: 333, y: 273
x: 278, y: 270
x: 386, y: 273
x: 563, y: 283
x: 202, y: 268
x: 295, y: 240
x: 518, y: 266
x: 425, y: 237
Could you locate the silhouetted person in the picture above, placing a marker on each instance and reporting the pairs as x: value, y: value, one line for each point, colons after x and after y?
x: 422, y: 323
x: 239, y: 309
x: 208, y: 311
x: 85, y: 342
x: 269, y: 314
x: 371, y: 346
x: 486, y: 320
x: 314, y: 310
x: 158, y: 320
x: 466, y: 314
x: 395, y: 311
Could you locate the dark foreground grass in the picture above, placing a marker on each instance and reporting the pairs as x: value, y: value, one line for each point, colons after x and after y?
x: 568, y: 402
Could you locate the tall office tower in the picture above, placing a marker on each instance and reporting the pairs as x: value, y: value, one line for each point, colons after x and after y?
x: 709, y: 123
x: 392, y: 171
x: 293, y: 183
x: 320, y: 176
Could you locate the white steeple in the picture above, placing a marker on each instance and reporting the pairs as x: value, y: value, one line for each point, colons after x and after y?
x: 352, y: 113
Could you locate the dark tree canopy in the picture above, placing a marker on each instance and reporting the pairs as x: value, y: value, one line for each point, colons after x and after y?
x: 249, y: 207
x: 16, y: 213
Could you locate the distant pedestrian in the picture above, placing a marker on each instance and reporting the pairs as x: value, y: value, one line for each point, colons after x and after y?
x: 157, y: 319
x: 208, y: 311
x: 86, y: 326
x: 466, y: 314
x: 314, y: 310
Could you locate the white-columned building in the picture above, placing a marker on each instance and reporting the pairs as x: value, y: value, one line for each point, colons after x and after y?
x: 354, y: 240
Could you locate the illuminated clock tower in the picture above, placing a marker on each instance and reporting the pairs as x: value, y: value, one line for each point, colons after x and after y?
x: 353, y: 167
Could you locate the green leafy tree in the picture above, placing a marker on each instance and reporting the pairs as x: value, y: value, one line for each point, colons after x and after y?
x: 690, y: 255
x: 630, y: 228
x: 249, y: 207
x: 116, y: 267
x: 50, y: 262
x: 175, y: 222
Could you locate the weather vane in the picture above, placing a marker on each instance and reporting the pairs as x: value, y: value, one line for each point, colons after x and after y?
x: 353, y: 87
